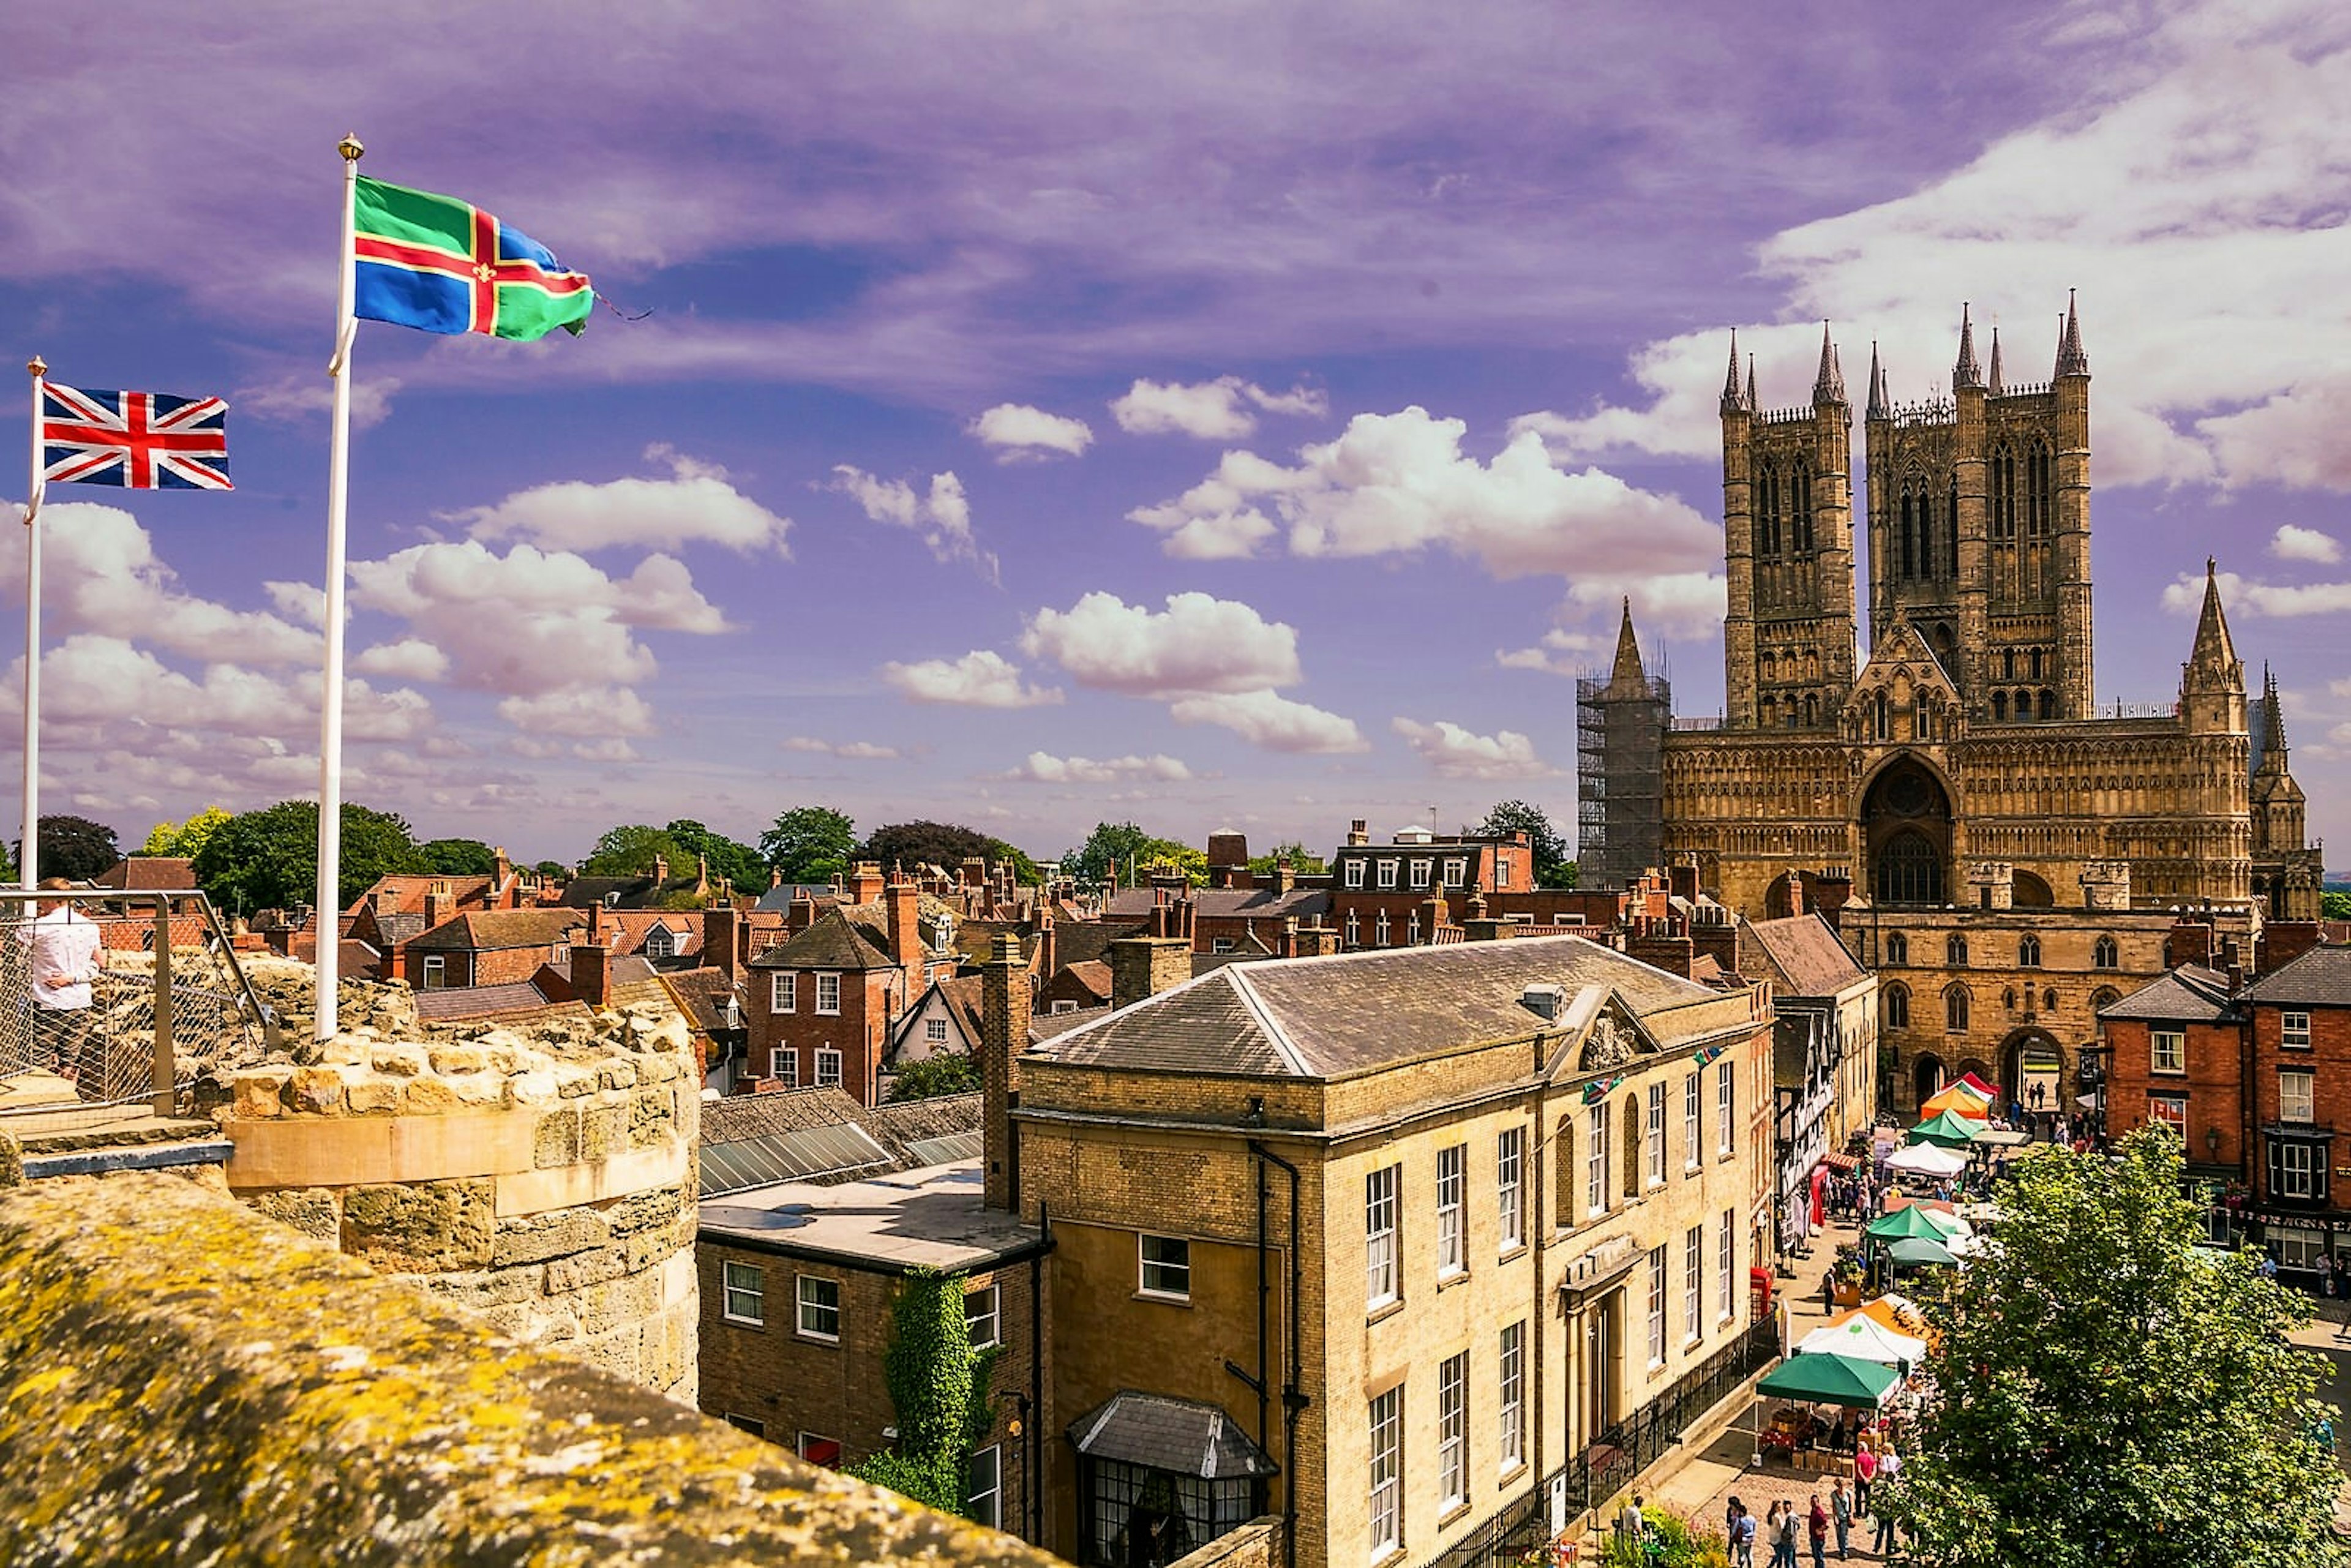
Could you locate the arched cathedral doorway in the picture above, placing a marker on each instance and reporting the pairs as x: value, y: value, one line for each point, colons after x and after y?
x: 1905, y: 823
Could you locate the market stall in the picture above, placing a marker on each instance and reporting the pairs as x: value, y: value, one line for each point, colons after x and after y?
x: 1947, y: 1130
x: 1927, y: 1161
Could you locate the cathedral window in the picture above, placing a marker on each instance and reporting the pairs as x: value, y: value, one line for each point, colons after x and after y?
x: 1894, y: 1006
x: 2000, y: 707
x: 1766, y: 514
x: 2036, y: 664
x: 2003, y: 492
x: 1955, y: 1009
x: 1883, y: 730
x: 2008, y: 664
x: 2039, y: 509
x: 1909, y: 553
x: 1812, y: 710
x: 2028, y: 952
x: 1954, y: 951
x: 1908, y: 871
x: 1799, y: 509
x: 2106, y: 954
x: 1951, y: 531
x: 2049, y: 999
x: 1897, y: 948
x: 2048, y: 705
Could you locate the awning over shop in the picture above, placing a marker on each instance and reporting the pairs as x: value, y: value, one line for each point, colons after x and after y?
x: 1176, y: 1435
x: 1840, y: 1162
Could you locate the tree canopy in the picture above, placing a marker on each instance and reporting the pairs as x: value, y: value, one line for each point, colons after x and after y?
x: 269, y: 858
x: 2334, y: 906
x: 2108, y: 1395
x: 1553, y: 867
x: 1120, y: 845
x: 809, y: 844
x: 456, y: 857
x: 631, y: 848
x: 74, y: 847
x: 1302, y: 861
x: 735, y: 866
x: 185, y: 839
x: 943, y: 844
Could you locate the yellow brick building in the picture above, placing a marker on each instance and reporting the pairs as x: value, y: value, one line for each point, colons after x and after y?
x: 1420, y: 1246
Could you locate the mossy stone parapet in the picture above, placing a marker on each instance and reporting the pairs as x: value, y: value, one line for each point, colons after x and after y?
x: 182, y: 1381
x: 542, y: 1174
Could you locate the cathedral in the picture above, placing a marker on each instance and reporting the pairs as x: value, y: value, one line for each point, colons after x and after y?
x: 1964, y: 768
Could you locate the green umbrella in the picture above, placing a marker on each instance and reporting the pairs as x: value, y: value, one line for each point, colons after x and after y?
x: 1947, y: 1131
x: 1830, y: 1380
x: 1913, y: 1221
x: 1914, y: 1251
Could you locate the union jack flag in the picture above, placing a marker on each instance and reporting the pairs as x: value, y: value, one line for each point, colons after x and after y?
x: 139, y: 441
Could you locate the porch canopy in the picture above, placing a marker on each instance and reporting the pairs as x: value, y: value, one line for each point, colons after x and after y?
x: 1830, y: 1379
x: 1160, y: 1433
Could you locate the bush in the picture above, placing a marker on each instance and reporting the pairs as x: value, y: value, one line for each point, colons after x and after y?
x: 1674, y: 1543
x: 934, y: 1076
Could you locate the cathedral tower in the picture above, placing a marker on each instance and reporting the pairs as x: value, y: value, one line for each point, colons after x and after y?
x: 1787, y: 506
x: 1980, y: 529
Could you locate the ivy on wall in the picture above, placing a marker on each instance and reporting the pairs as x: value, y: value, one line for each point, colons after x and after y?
x: 938, y: 1386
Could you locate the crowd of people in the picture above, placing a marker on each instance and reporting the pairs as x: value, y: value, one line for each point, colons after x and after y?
x: 1786, y: 1530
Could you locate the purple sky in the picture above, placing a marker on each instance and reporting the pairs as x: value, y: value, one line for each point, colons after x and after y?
x: 1049, y: 414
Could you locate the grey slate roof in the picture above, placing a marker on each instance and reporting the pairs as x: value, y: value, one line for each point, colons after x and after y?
x: 2319, y: 978
x: 1225, y: 902
x: 2188, y: 994
x: 1165, y: 1434
x: 832, y: 943
x: 481, y: 930
x: 1328, y: 1016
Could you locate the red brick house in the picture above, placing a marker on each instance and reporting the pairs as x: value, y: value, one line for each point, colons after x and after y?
x: 822, y: 1002
x: 487, y: 947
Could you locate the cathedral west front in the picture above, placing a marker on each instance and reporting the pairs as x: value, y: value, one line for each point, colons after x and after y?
x: 1959, y: 798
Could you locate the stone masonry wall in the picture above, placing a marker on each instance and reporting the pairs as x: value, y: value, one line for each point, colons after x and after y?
x: 542, y: 1175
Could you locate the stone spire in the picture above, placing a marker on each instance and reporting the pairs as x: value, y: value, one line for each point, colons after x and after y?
x: 1879, y: 408
x: 1828, y: 387
x: 1995, y: 389
x: 1751, y: 382
x: 2214, y: 651
x: 1626, y: 680
x: 1731, y: 402
x: 2212, y: 682
x: 2071, y: 359
x: 2274, y: 751
x: 1967, y: 372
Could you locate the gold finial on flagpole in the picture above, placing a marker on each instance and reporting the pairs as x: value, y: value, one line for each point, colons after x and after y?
x: 350, y: 148
x: 37, y: 366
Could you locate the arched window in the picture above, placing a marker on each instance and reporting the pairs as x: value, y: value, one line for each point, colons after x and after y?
x: 2104, y: 954
x: 1951, y: 531
x: 2049, y: 999
x: 2008, y: 998
x: 2000, y: 707
x: 1955, y: 1011
x: 1954, y: 951
x: 2040, y: 510
x: 2036, y: 664
x: 2003, y: 492
x: 1799, y: 509
x: 1909, y: 551
x: 1897, y: 948
x: 1908, y: 871
x: 1812, y: 710
x: 2008, y: 664
x: 2028, y: 952
x: 1882, y: 729
x: 2103, y: 998
x: 1894, y: 1006
x: 2048, y: 705
x: 1767, y: 513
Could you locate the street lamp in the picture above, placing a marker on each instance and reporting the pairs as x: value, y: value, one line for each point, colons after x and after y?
x: 2212, y: 1141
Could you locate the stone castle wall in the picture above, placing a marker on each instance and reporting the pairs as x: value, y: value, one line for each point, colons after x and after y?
x: 540, y: 1174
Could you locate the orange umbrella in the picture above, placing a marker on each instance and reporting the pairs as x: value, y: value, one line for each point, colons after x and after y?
x: 1895, y: 1313
x: 1959, y: 1097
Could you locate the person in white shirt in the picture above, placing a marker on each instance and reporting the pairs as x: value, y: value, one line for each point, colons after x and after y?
x: 64, y: 949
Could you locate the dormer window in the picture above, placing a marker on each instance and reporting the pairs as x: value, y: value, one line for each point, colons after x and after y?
x: 659, y: 943
x: 1355, y: 874
x: 1457, y: 872
x: 1388, y: 874
x: 1420, y: 875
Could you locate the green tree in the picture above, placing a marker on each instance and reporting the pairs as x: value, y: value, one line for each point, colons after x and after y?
x: 938, y: 1387
x: 1553, y: 866
x: 2108, y: 1395
x: 630, y: 850
x: 732, y: 864
x: 554, y: 869
x: 809, y: 844
x: 1120, y: 846
x: 2334, y: 906
x: 933, y: 1076
x: 269, y: 858
x: 185, y: 839
x: 1301, y: 859
x: 946, y: 844
x: 456, y: 857
x: 74, y: 847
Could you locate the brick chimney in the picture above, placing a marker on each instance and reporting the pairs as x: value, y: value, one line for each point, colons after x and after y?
x: 904, y: 906
x: 1003, y: 1013
x: 1285, y: 877
x: 661, y: 870
x: 1359, y: 832
x: 721, y: 935
x: 438, y: 905
x: 1144, y: 966
x: 2189, y: 942
x: 1682, y: 877
x: 501, y: 880
x: 865, y: 881
x: 1432, y: 916
x: 1049, y: 943
x: 775, y: 876
x: 592, y: 973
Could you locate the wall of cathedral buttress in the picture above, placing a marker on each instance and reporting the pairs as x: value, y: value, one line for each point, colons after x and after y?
x: 1789, y: 631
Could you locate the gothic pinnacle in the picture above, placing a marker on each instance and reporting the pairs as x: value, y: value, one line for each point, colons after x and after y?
x: 1731, y: 403
x: 1828, y: 387
x: 1878, y: 408
x: 2071, y: 359
x: 1995, y: 389
x: 1967, y: 372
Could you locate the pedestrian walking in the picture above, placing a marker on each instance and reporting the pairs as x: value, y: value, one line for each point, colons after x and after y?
x: 1840, y: 1512
x: 1739, y: 1527
x: 1883, y: 1542
x: 1816, y: 1531
x: 1864, y: 1473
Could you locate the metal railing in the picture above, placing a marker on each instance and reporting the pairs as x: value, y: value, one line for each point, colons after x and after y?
x: 1612, y: 1458
x: 167, y: 1000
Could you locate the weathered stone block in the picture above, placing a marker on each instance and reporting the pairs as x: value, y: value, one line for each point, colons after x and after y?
x: 313, y: 1212
x: 428, y: 1097
x: 371, y: 1096
x: 536, y: 1237
x: 436, y: 1224
x: 260, y: 1091
x: 617, y: 1074
x: 585, y: 1271
x: 401, y: 1061
x: 646, y: 1211
x: 535, y: 1087
x: 574, y: 1082
x: 651, y: 1117
x: 455, y: 1059
x: 556, y: 1142
x: 603, y: 1132
x: 479, y: 1291
x: 477, y: 1088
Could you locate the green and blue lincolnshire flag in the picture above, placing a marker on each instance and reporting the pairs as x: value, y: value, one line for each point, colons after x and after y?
x: 441, y: 264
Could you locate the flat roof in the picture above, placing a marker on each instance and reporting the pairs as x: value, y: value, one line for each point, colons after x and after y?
x: 933, y: 1218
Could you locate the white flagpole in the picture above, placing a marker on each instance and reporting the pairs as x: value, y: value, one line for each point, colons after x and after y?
x: 29, y: 856
x: 331, y: 706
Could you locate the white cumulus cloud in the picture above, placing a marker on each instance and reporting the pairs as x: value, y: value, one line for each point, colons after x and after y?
x: 1197, y: 643
x: 981, y: 678
x: 2243, y: 596
x: 942, y: 516
x: 1225, y: 409
x: 847, y: 750
x: 409, y: 659
x: 1272, y: 721
x: 1042, y: 767
x: 697, y: 503
x: 2292, y: 543
x: 591, y: 711
x: 1453, y: 752
x: 1017, y: 430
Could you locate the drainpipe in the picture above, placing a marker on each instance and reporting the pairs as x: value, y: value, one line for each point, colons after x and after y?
x: 1294, y: 1400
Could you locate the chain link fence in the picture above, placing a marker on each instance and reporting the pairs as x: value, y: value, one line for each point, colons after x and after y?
x: 166, y: 1001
